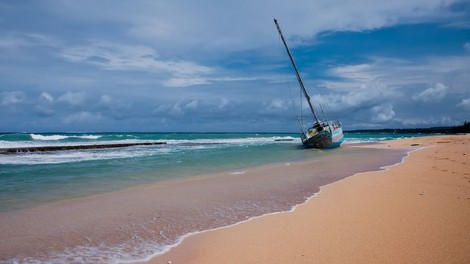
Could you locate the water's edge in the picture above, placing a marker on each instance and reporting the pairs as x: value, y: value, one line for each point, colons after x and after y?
x: 291, y: 210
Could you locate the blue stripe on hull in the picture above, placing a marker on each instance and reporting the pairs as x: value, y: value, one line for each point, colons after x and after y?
x: 324, y: 140
x: 335, y: 144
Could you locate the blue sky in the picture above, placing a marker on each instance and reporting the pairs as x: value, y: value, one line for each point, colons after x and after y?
x: 85, y: 66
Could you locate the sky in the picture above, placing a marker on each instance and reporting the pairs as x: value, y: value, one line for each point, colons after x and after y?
x: 219, y: 66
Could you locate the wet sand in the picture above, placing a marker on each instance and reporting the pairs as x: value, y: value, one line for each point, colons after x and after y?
x: 414, y: 212
x: 135, y: 223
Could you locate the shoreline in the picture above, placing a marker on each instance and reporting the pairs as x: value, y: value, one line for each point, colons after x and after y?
x: 80, y: 226
x: 156, y: 258
x: 254, y: 240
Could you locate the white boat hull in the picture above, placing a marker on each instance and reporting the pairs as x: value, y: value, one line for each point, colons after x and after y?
x: 325, y: 136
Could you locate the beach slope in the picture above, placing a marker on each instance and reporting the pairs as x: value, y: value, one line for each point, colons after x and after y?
x: 414, y: 212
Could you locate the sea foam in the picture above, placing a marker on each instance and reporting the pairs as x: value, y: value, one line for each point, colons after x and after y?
x: 61, y: 137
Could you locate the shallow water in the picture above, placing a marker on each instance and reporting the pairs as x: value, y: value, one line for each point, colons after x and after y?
x: 185, y: 195
x: 31, y: 179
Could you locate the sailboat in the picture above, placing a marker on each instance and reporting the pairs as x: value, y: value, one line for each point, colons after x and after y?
x: 322, y: 134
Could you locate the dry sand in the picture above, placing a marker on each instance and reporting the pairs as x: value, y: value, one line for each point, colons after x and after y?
x: 414, y: 212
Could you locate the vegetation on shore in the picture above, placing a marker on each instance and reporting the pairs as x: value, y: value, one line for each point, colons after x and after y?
x: 465, y: 128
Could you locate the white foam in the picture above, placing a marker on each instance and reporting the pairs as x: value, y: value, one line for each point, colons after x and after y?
x: 128, y: 252
x: 87, y: 155
x: 237, y: 141
x: 51, y: 137
x: 237, y: 172
x: 89, y: 137
x: 78, y: 156
x: 61, y: 137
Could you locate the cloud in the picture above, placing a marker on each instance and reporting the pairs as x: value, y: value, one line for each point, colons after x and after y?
x: 208, y: 25
x: 185, y: 81
x: 433, y: 94
x: 383, y: 113
x: 17, y: 40
x: 83, y: 117
x: 192, y: 105
x: 429, y: 121
x: 364, y: 96
x: 360, y: 73
x: 44, y: 105
x: 120, y: 57
x: 73, y: 98
x: 276, y: 107
x: 465, y: 104
x: 222, y: 57
x: 46, y: 97
x: 400, y: 72
x: 11, y: 98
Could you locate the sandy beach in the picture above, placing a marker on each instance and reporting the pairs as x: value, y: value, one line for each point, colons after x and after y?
x: 132, y: 224
x: 417, y: 211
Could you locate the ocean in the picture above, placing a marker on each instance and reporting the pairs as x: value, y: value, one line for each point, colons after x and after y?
x: 45, y: 185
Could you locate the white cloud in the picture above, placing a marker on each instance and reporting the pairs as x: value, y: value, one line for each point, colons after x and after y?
x: 276, y: 106
x: 364, y: 96
x: 400, y: 74
x: 361, y: 73
x: 210, y: 25
x: 46, y: 97
x: 433, y: 94
x: 176, y: 110
x: 120, y: 57
x: 73, y: 98
x: 383, y: 113
x: 184, y: 81
x: 192, y: 105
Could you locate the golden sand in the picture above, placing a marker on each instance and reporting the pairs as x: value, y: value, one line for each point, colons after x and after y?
x: 414, y: 212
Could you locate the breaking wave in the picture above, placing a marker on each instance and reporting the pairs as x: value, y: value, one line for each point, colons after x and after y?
x: 61, y: 137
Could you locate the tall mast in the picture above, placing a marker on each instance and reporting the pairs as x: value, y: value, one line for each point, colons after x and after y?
x: 299, y: 79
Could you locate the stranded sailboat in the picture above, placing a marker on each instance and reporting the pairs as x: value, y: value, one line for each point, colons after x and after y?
x: 322, y: 134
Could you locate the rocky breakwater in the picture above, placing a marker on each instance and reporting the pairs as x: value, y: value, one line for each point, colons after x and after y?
x: 6, y: 151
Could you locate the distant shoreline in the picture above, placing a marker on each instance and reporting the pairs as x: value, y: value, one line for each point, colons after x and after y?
x: 465, y: 128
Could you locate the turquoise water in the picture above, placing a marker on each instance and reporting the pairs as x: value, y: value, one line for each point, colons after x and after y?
x: 31, y: 179
x: 133, y: 224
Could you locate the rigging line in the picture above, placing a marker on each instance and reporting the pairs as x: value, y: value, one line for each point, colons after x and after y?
x: 294, y: 66
x: 284, y: 79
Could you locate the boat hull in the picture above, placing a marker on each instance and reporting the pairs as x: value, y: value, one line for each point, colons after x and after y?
x: 328, y: 137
